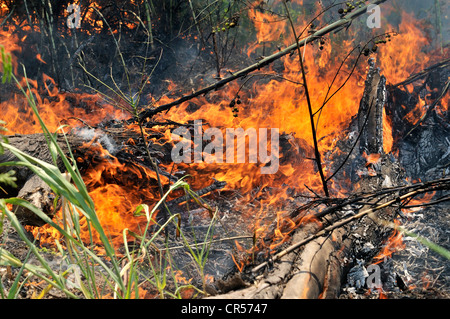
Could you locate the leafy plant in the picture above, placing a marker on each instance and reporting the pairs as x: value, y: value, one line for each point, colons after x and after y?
x: 82, y: 260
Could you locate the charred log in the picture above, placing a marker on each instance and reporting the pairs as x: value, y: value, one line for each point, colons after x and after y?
x: 371, y: 112
x: 33, y: 189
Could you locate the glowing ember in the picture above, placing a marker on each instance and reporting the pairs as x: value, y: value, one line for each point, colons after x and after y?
x: 394, y: 243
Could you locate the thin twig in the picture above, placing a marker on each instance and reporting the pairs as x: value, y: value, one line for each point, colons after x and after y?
x: 208, y: 242
x: 424, y: 188
x: 310, y: 110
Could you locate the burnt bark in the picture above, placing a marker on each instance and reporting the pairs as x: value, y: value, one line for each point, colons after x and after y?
x: 314, y: 264
x: 371, y: 111
x: 31, y: 188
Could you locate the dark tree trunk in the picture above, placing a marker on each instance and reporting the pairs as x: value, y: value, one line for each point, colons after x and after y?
x: 371, y: 112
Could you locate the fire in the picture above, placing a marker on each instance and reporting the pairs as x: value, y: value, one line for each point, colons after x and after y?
x: 415, y: 204
x: 394, y: 243
x: 382, y: 294
x: 269, y: 27
x: 388, y: 140
x: 39, y: 58
x: 404, y: 55
x: 55, y: 109
x: 186, y: 292
x: 442, y: 107
x: 272, y: 99
x: 371, y: 158
x: 417, y: 112
x: 112, y: 187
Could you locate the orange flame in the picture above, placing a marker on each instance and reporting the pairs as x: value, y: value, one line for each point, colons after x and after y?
x: 394, y: 243
x: 266, y: 102
x: 388, y: 139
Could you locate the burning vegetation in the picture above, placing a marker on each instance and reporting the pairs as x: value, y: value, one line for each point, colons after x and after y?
x: 189, y: 149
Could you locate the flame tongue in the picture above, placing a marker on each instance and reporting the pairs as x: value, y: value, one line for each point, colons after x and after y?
x: 117, y: 189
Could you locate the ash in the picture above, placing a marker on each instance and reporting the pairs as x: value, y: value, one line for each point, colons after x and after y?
x: 416, y: 270
x: 418, y: 265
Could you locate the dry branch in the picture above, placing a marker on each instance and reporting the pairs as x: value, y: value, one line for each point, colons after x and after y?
x: 420, y: 75
x: 421, y: 188
x: 345, y: 22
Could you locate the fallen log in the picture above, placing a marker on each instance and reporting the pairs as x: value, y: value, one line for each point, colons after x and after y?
x: 31, y: 188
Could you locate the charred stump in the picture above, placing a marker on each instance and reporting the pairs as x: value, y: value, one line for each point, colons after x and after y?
x: 370, y: 114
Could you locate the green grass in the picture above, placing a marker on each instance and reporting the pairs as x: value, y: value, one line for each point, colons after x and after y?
x: 94, y: 275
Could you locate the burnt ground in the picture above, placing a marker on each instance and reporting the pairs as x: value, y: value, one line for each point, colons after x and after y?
x: 414, y: 270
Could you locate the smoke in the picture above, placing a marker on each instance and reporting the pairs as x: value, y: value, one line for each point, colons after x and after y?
x: 89, y: 134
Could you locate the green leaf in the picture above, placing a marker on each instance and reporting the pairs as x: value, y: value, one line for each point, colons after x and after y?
x: 15, y: 288
x: 8, y: 178
x: 7, y: 65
